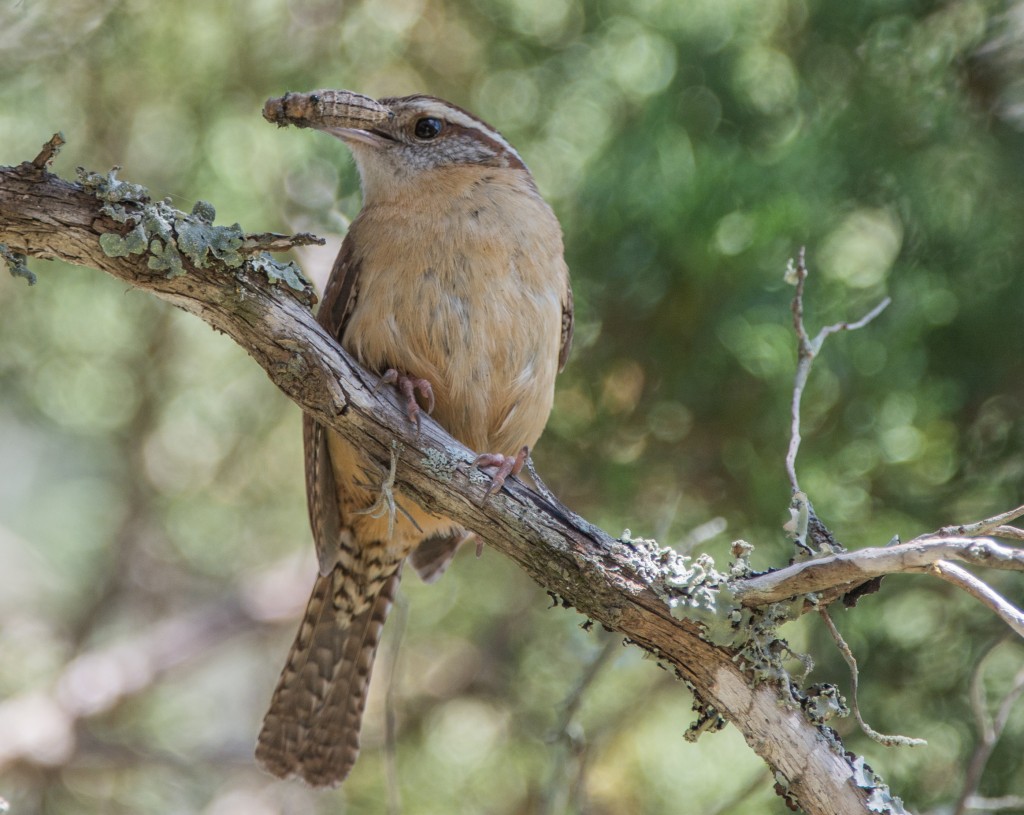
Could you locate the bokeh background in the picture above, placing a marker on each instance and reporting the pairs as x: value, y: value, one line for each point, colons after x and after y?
x: 154, y: 549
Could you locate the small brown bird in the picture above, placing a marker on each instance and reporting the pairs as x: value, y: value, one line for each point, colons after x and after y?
x: 451, y: 284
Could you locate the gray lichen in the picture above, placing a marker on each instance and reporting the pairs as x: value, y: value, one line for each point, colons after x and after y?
x: 170, y: 236
x: 287, y: 273
x: 782, y: 789
x: 708, y: 720
x: 880, y: 798
x: 441, y: 465
x: 823, y: 703
x: 684, y: 583
x: 17, y: 264
x: 134, y: 243
x: 694, y: 589
x: 763, y: 651
x: 198, y: 239
x: 110, y: 189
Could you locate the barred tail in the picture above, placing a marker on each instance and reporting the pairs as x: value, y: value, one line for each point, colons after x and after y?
x: 312, y: 727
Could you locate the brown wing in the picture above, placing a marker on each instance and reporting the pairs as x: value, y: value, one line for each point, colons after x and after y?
x: 321, y: 490
x: 567, y: 326
x: 434, y: 554
x: 341, y: 292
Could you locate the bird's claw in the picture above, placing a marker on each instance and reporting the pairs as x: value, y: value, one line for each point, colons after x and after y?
x: 504, y: 467
x: 409, y: 386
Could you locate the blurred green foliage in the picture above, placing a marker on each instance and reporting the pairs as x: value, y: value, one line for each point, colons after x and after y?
x: 148, y: 469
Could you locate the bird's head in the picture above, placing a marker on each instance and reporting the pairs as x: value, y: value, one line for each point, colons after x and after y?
x: 396, y: 140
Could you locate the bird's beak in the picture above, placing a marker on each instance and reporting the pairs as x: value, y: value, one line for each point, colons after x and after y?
x: 350, y: 116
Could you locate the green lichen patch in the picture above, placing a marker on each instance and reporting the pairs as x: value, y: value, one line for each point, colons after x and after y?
x: 171, y: 237
x: 287, y: 273
x: 164, y: 257
x: 117, y: 246
x: 198, y: 240
x: 762, y: 651
x: 205, y: 211
x: 110, y: 188
x: 695, y: 590
x: 17, y: 264
x: 708, y: 720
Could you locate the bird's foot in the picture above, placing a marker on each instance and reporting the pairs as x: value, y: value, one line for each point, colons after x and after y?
x: 409, y: 386
x: 504, y: 467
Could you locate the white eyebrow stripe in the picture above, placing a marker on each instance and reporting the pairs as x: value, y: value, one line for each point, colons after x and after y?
x: 459, y: 117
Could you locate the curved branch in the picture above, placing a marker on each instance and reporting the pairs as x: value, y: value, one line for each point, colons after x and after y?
x: 849, y: 569
x: 622, y: 584
x: 981, y: 591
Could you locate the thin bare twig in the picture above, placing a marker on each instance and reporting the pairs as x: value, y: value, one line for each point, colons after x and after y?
x: 981, y: 591
x: 541, y: 487
x: 571, y: 738
x: 990, y: 728
x: 49, y: 152
x: 573, y: 702
x: 386, y: 502
x: 981, y: 804
x: 807, y: 350
x: 851, y: 661
x: 275, y: 242
x: 988, y: 526
x: 125, y: 544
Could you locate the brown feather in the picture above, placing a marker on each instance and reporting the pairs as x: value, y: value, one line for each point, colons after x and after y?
x: 312, y: 727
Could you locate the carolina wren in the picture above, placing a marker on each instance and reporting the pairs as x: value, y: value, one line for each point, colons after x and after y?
x: 451, y: 283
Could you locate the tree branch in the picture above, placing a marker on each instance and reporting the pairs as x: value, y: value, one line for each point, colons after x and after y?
x: 852, y: 568
x: 990, y: 729
x: 629, y: 586
x: 982, y: 592
x: 807, y: 350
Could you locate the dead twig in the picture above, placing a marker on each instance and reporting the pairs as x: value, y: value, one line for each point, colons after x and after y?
x: 569, y: 735
x: 981, y: 591
x: 851, y: 661
x: 275, y: 242
x: 807, y: 350
x: 49, y: 152
x: 994, y: 526
x: 990, y: 728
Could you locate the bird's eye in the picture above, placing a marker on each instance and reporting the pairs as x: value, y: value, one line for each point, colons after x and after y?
x: 428, y: 128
